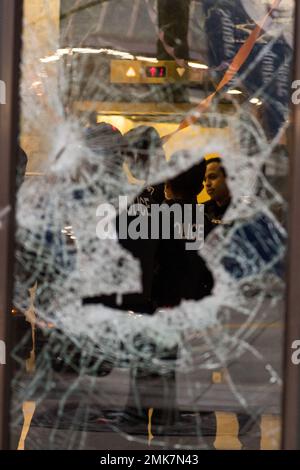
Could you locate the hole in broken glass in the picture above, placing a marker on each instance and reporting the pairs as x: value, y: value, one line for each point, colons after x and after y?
x: 244, y: 253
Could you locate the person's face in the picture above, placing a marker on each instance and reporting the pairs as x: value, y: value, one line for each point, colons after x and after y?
x: 215, y: 183
x: 168, y: 191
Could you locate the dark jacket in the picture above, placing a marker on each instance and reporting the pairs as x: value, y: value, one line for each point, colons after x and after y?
x: 145, y: 251
x: 180, y: 273
x: 213, y: 215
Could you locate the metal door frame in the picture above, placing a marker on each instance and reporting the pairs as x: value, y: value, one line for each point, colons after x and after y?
x: 10, y: 47
x: 291, y: 372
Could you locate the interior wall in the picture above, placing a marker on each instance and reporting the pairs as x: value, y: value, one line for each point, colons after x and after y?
x: 40, y: 39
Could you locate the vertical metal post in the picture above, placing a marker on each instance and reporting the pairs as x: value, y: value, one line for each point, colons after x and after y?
x: 10, y: 45
x: 291, y: 395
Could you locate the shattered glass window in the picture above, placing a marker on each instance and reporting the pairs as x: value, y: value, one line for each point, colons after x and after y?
x: 133, y: 332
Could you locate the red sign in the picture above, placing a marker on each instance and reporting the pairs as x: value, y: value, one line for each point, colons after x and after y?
x: 156, y: 72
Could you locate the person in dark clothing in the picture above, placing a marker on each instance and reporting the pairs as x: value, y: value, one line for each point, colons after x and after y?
x: 140, y: 147
x: 186, y: 186
x: 217, y: 189
x: 182, y: 273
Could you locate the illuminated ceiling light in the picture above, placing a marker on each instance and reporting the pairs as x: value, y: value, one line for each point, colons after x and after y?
x: 124, y: 55
x: 256, y: 101
x: 196, y: 65
x: 147, y: 59
x: 65, y: 51
x: 131, y: 72
x: 51, y: 58
x: 86, y: 50
x: 234, y: 92
x: 55, y: 57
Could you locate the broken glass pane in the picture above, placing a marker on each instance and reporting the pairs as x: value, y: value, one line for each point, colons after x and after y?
x: 137, y: 341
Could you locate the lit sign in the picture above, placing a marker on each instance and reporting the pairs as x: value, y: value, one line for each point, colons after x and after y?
x: 156, y: 72
x: 162, y: 71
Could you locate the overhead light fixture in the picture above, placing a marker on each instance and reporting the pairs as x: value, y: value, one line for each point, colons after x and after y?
x: 87, y: 50
x: 197, y: 65
x: 256, y: 101
x: 51, y: 58
x: 58, y: 54
x: 147, y: 59
x: 234, y: 92
x: 123, y: 55
x: 66, y: 50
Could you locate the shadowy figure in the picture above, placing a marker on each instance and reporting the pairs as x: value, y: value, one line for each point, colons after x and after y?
x: 140, y: 147
x: 217, y: 189
x: 181, y: 273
